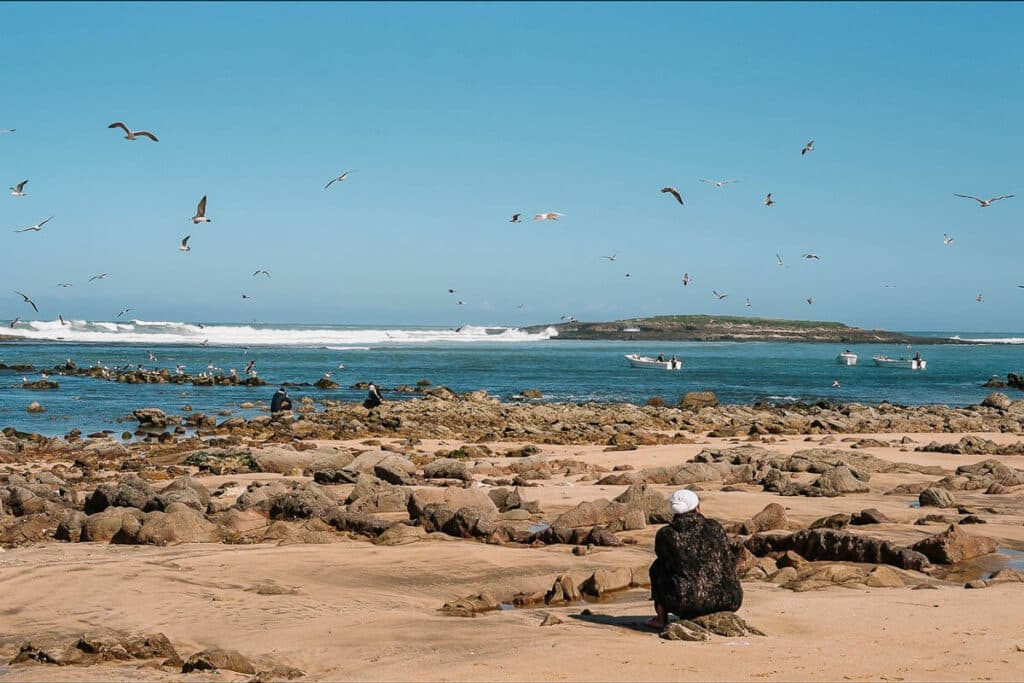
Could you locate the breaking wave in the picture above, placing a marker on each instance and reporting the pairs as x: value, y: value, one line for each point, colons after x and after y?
x: 178, y: 333
x: 993, y: 340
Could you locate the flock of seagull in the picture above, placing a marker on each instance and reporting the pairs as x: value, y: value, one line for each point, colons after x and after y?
x: 769, y: 202
x: 200, y: 216
x: 18, y: 190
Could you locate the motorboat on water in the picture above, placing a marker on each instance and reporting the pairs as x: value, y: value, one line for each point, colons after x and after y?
x: 915, y: 363
x: 846, y: 358
x: 638, y: 361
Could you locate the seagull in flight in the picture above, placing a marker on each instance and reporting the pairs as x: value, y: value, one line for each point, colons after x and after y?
x: 611, y: 258
x: 37, y: 227
x: 674, y: 192
x: 184, y: 244
x: 778, y: 261
x: 64, y: 284
x: 810, y: 301
x: 809, y: 147
x: 14, y: 322
x: 451, y: 291
x: 460, y: 302
x: 27, y: 300
x: 686, y: 279
x: 205, y: 342
x: 720, y: 296
x: 811, y: 256
x: 123, y: 312
x: 550, y: 216
x: 947, y: 239
x: 515, y: 218
x: 264, y: 272
x: 980, y: 298
x: 245, y: 296
x: 747, y: 304
x: 985, y: 202
x: 339, y: 179
x: 200, y: 216
x: 768, y: 201
x: 151, y: 356
x: 101, y: 276
x: 718, y: 183
x: 61, y: 318
x: 133, y: 134
x: 19, y: 189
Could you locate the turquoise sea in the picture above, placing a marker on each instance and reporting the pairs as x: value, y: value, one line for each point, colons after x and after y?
x: 502, y: 361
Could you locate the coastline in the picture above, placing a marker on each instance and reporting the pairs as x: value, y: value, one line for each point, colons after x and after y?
x: 276, y: 525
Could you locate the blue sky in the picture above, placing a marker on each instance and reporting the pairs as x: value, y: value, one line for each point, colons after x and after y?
x: 454, y: 116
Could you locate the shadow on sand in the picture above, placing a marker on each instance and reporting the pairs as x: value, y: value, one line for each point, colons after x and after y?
x: 632, y: 623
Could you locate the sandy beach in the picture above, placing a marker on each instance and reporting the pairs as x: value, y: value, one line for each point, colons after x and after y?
x: 342, y: 606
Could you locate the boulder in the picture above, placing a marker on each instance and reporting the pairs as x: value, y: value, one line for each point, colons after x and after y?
x: 446, y: 468
x: 686, y: 630
x: 695, y: 400
x: 130, y: 492
x: 837, y: 521
x: 837, y: 546
x: 998, y: 401
x: 395, y: 469
x: 953, y: 545
x: 217, y: 658
x: 605, y: 580
x: 302, y: 502
x: 112, y: 525
x: 589, y: 513
x: 935, y: 497
x: 837, y: 481
x: 773, y: 516
x: 181, y: 524
x: 869, y: 516
x: 400, y: 534
x: 183, y: 490
x: 562, y: 590
x: 451, y: 497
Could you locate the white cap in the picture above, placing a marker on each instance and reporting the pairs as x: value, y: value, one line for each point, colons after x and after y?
x: 683, y: 500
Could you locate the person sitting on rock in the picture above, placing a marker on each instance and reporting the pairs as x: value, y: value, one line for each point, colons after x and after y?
x: 373, y: 398
x: 695, y: 570
x: 280, y: 401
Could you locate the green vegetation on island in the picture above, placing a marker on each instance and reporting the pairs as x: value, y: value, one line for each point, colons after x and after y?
x: 730, y: 328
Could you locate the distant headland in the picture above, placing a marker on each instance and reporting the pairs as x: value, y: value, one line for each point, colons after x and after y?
x: 731, y: 328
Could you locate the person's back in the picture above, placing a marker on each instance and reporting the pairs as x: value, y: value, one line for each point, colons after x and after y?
x: 373, y: 398
x: 695, y: 570
x: 280, y: 401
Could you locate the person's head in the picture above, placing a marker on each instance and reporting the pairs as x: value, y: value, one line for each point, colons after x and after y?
x: 282, y: 390
x: 683, y: 501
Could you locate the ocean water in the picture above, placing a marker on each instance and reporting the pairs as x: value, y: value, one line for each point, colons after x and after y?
x: 502, y: 361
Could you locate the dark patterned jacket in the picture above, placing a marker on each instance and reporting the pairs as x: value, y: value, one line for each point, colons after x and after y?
x: 695, y: 570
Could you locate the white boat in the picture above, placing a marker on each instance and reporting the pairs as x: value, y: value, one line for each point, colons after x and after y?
x: 630, y: 329
x: 911, y: 363
x: 638, y: 361
x: 847, y: 358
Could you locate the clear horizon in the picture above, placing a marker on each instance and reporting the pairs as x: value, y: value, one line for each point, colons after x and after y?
x: 452, y: 117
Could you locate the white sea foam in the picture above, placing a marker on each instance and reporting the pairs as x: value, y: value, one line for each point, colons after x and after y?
x: 338, y: 338
x: 994, y: 340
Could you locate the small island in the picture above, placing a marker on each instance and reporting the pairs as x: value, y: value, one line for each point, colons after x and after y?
x: 730, y: 328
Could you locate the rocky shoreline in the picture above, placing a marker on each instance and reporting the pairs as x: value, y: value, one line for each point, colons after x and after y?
x: 840, y: 495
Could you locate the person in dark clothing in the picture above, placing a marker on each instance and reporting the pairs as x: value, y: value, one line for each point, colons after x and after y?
x: 373, y: 398
x: 280, y: 401
x: 695, y: 570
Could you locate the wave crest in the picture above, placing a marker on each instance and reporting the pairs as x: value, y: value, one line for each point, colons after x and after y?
x: 159, y: 332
